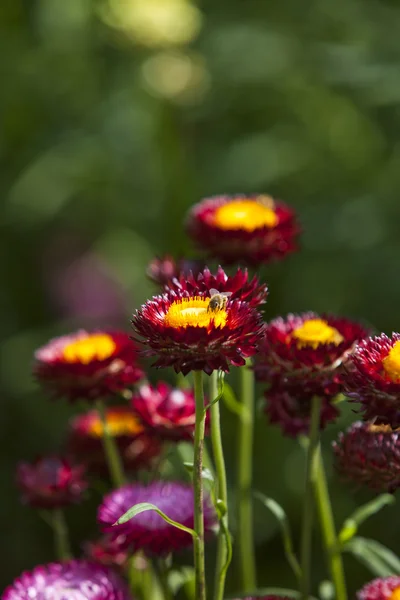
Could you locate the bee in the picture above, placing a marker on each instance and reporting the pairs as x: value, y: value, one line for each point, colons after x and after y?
x: 218, y: 300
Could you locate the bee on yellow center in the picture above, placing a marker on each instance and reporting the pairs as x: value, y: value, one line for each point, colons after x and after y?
x: 218, y: 300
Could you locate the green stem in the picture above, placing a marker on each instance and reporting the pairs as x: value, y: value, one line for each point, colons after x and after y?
x: 199, y: 562
x: 162, y: 572
x: 113, y: 457
x: 308, y: 507
x: 61, y: 539
x: 245, y: 472
x: 328, y: 529
x: 221, y: 487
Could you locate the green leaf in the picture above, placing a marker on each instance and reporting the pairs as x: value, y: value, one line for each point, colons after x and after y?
x: 381, y: 561
x: 351, y: 525
x: 142, y: 507
x: 281, y: 516
x: 206, y: 473
x: 180, y: 578
x: 228, y: 542
x: 231, y: 401
x: 273, y: 592
x: 220, y: 379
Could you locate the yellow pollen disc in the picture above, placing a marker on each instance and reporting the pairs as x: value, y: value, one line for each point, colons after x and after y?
x: 98, y: 346
x: 391, y: 364
x: 117, y: 424
x: 192, y: 312
x: 246, y: 214
x: 395, y: 595
x: 372, y: 428
x: 315, y: 332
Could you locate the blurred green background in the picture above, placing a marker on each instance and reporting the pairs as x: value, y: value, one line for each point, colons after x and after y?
x: 116, y: 117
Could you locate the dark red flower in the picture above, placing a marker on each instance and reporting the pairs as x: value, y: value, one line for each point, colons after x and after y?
x: 184, y: 333
x: 372, y: 377
x: 165, y: 412
x: 74, y: 579
x: 369, y: 454
x: 253, y: 292
x: 307, y: 351
x: 107, y: 551
x: 148, y: 531
x: 88, y: 366
x: 385, y: 588
x: 253, y: 229
x: 291, y: 410
x: 164, y: 270
x: 51, y: 482
x: 85, y: 440
x: 264, y: 598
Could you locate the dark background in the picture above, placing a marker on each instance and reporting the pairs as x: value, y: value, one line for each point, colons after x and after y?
x: 116, y: 117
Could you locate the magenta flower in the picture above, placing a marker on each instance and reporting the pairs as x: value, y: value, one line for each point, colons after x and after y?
x: 148, y: 531
x: 72, y: 580
x: 387, y: 588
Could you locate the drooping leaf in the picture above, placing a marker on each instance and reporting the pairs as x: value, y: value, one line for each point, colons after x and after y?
x: 381, y: 561
x: 273, y: 591
x: 231, y: 401
x: 361, y: 514
x: 142, y: 507
x: 220, y: 381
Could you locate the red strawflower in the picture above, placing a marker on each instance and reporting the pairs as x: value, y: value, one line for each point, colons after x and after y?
x: 108, y: 552
x: 165, y: 412
x: 72, y: 580
x: 183, y: 332
x: 291, y: 410
x: 253, y: 229
x: 164, y: 270
x: 51, y: 482
x: 369, y: 454
x: 148, y: 531
x: 385, y: 588
x: 88, y: 366
x: 307, y: 351
x: 372, y: 377
x: 85, y: 440
x: 253, y: 292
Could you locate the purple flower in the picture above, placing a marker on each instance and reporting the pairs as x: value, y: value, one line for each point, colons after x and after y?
x: 72, y: 580
x: 148, y: 531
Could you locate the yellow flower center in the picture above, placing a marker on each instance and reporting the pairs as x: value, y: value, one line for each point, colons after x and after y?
x: 192, y: 312
x: 117, y: 424
x: 395, y: 595
x: 98, y: 346
x: 315, y: 332
x: 246, y: 214
x: 391, y: 364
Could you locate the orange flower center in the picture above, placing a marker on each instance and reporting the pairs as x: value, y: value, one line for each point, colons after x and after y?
x: 192, y: 312
x: 391, y: 364
x: 395, y: 595
x: 246, y: 214
x: 383, y: 428
x: 98, y: 346
x: 315, y: 332
x: 118, y: 424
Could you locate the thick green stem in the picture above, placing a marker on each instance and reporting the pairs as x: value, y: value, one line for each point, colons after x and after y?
x: 113, y: 457
x: 199, y: 563
x: 221, y: 487
x: 308, y: 507
x: 61, y: 539
x: 328, y: 529
x: 245, y: 475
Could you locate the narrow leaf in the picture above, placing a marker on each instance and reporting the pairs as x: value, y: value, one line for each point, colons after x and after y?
x: 275, y: 591
x: 377, y: 558
x: 351, y: 525
x: 142, y: 507
x: 206, y: 473
x: 231, y: 401
x: 220, y: 376
x: 281, y: 516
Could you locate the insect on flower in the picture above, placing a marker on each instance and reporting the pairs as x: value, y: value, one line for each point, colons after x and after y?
x: 218, y: 300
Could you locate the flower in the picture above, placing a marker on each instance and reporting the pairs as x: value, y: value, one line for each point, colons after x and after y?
x: 369, y: 454
x: 88, y: 366
x: 307, y: 351
x: 166, y: 412
x: 264, y: 598
x: 386, y: 588
x: 253, y: 229
x: 74, y: 579
x: 51, y: 482
x: 253, y: 292
x: 108, y: 552
x: 372, y: 377
x: 163, y: 270
x: 183, y: 332
x: 148, y: 531
x: 292, y: 410
x: 85, y: 439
